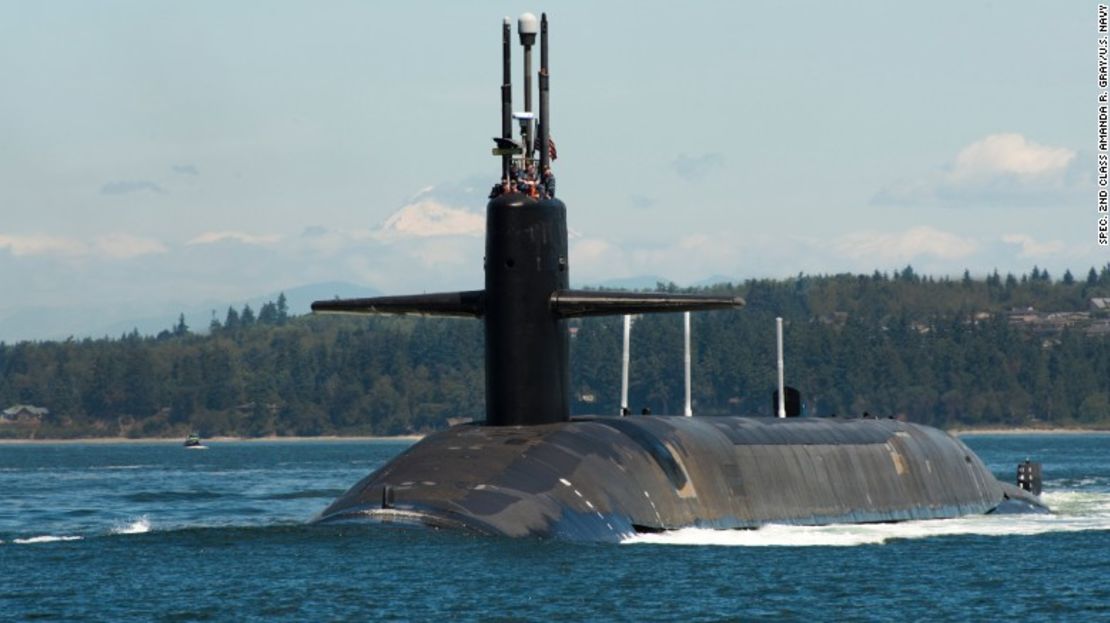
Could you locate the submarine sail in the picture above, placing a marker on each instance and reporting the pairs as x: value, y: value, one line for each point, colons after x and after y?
x: 532, y: 470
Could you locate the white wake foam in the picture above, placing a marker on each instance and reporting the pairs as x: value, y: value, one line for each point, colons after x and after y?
x: 139, y: 526
x: 1074, y: 511
x: 46, y: 538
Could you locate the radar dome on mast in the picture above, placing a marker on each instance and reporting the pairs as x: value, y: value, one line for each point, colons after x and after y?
x: 527, y: 26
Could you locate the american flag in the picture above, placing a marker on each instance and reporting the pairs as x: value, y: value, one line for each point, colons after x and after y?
x: 550, y: 144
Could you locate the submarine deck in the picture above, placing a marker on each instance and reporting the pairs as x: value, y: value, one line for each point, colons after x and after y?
x: 602, y: 478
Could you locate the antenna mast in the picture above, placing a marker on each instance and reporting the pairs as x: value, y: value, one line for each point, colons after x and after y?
x: 782, y: 395
x: 689, y: 407
x: 624, y: 364
x: 527, y: 26
x: 506, y: 94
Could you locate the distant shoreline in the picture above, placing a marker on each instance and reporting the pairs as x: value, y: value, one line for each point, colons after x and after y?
x: 960, y: 432
x: 205, y: 441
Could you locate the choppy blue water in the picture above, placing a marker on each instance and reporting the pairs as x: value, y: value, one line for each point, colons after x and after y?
x: 158, y: 533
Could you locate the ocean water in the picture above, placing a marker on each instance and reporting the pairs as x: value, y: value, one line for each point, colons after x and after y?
x: 154, y: 532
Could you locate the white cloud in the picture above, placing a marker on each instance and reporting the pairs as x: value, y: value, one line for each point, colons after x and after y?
x: 124, y: 246
x: 213, y: 237
x: 591, y: 249
x: 688, y: 256
x: 593, y: 259
x: 1010, y: 153
x: 1000, y: 169
x: 328, y: 242
x: 118, y: 246
x: 438, y: 254
x: 686, y: 259
x: 1032, y: 248
x: 693, y: 257
x: 895, y: 247
x: 37, y: 244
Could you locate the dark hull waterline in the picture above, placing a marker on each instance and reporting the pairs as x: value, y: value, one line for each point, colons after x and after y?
x: 603, y: 479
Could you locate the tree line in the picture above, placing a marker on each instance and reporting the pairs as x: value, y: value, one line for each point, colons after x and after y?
x: 939, y: 351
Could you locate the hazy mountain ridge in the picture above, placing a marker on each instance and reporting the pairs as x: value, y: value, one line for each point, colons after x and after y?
x: 45, y: 323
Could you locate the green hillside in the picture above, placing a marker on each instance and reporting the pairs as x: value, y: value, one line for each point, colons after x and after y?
x: 1007, y: 351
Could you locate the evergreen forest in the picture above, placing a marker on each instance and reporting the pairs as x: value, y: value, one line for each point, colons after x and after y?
x: 1028, y: 350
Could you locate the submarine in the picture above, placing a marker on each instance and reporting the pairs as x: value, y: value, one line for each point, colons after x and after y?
x: 531, y: 470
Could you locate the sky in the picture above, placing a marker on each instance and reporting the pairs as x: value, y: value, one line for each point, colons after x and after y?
x: 162, y: 156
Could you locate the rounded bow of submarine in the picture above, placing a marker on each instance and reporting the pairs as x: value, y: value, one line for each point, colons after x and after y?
x: 602, y: 479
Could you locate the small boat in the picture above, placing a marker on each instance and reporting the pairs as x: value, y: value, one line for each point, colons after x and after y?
x: 192, y: 442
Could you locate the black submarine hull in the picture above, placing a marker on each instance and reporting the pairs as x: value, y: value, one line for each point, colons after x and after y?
x: 607, y: 478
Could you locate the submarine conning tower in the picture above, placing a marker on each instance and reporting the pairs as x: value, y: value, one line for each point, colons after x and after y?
x: 527, y: 297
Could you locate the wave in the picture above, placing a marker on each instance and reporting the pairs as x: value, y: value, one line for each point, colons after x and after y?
x: 46, y: 538
x: 1100, y: 483
x: 307, y: 493
x: 139, y: 526
x: 172, y: 496
x: 1074, y: 511
x: 143, y: 525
